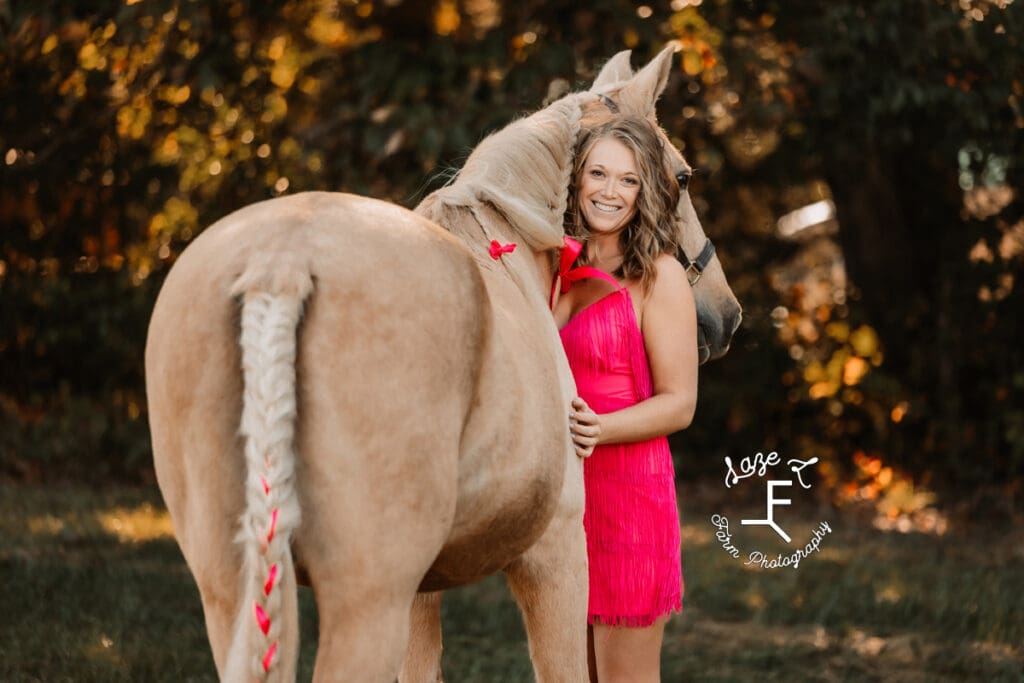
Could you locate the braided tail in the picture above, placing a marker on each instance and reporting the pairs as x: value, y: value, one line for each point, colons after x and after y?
x: 265, y: 641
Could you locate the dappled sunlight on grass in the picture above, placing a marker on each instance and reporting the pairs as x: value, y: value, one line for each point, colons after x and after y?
x: 30, y: 515
x: 756, y: 651
x: 47, y: 525
x: 143, y: 523
x: 999, y: 652
x: 835, y: 554
x: 101, y: 570
x: 756, y: 601
x: 695, y: 534
x: 105, y: 652
x: 128, y: 524
x: 890, y: 593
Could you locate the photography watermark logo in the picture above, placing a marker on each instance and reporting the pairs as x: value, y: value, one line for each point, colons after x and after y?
x: 758, y: 466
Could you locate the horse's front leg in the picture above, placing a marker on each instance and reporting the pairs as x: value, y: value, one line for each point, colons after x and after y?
x: 423, y: 657
x: 549, y: 582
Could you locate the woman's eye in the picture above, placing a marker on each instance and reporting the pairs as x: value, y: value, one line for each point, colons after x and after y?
x: 596, y: 174
x: 631, y: 181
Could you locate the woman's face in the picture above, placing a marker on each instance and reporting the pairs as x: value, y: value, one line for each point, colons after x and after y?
x: 608, y: 187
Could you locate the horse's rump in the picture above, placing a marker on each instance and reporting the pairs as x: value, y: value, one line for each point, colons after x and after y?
x: 387, y: 357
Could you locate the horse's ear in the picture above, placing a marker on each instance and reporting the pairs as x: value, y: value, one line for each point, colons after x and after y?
x: 615, y: 70
x: 641, y: 93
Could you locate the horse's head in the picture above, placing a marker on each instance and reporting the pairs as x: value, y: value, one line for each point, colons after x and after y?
x: 620, y: 91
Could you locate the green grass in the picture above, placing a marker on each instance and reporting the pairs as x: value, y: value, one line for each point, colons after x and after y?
x: 94, y: 590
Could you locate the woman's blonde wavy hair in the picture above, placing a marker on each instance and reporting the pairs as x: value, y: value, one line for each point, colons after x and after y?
x: 652, y: 231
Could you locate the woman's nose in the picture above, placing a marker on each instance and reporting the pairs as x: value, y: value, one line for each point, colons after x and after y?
x: 609, y: 188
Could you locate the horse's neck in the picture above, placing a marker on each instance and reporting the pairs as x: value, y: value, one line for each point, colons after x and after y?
x: 513, y: 188
x: 533, y: 269
x: 476, y: 224
x: 524, y: 171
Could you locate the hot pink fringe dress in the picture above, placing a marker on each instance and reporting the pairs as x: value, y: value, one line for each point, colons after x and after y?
x: 631, y: 518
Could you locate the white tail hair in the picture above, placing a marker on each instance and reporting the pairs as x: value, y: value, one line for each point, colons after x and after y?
x: 265, y: 640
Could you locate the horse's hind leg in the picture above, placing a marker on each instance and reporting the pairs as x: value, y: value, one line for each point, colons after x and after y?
x: 364, y: 642
x: 205, y: 513
x: 381, y: 518
x: 197, y: 460
x: 549, y: 582
x: 423, y: 656
x: 199, y: 467
x: 221, y: 594
x: 205, y: 508
x: 364, y: 607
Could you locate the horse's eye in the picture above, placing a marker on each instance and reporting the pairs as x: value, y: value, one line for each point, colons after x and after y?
x: 683, y: 178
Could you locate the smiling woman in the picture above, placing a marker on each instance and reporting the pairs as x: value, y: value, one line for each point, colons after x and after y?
x: 608, y: 187
x: 630, y: 335
x: 623, y: 187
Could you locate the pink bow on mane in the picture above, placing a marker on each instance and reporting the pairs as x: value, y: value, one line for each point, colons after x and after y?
x: 497, y: 249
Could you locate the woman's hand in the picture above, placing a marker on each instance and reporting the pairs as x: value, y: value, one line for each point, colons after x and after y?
x: 585, y: 427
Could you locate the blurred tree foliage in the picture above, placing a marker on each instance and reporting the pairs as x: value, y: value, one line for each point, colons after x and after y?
x: 914, y: 117
x: 128, y: 126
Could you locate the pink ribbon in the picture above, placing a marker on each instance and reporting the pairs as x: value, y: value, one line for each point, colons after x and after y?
x: 269, y: 657
x: 261, y: 615
x: 273, y: 525
x: 569, y: 275
x: 269, y: 585
x: 262, y: 619
x: 497, y: 249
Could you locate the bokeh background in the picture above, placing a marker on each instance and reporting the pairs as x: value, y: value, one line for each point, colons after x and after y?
x: 859, y: 167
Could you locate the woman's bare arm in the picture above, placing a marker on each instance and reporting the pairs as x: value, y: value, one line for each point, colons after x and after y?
x: 669, y: 326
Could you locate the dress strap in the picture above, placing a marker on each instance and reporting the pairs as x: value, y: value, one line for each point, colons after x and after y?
x: 569, y: 275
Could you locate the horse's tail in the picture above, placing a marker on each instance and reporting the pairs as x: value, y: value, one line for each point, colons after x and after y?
x: 264, y: 644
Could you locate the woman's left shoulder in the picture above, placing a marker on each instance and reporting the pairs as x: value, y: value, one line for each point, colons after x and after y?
x: 670, y: 291
x: 669, y: 266
x: 669, y: 308
x: 670, y: 278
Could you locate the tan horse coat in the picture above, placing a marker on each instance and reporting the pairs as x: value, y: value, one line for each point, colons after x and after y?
x: 395, y: 411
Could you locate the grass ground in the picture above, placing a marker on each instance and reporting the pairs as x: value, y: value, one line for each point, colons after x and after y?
x: 95, y: 589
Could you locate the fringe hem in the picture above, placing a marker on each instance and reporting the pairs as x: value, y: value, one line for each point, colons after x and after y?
x: 635, y: 621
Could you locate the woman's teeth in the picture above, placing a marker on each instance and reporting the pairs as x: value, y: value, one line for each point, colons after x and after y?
x: 608, y: 208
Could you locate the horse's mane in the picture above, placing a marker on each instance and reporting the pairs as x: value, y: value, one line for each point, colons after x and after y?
x: 523, y: 170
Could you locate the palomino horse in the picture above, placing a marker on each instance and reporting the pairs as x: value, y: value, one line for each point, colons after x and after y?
x: 349, y: 363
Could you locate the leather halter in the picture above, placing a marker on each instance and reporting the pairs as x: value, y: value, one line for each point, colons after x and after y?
x: 694, y: 267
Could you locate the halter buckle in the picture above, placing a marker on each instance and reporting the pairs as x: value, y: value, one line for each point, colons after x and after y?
x: 693, y: 273
x: 695, y: 268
